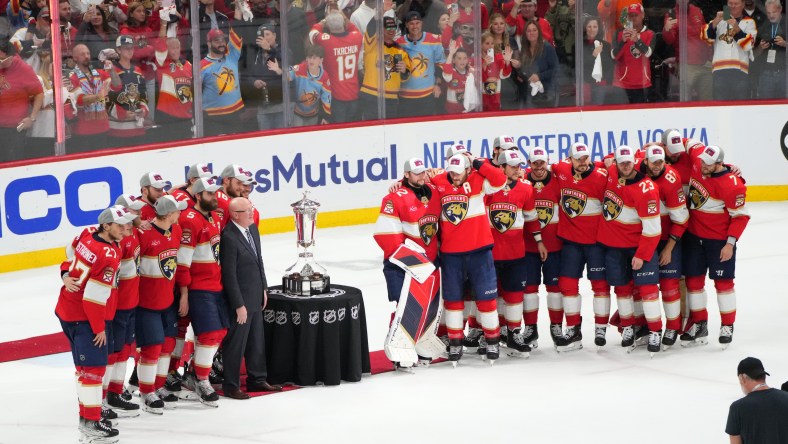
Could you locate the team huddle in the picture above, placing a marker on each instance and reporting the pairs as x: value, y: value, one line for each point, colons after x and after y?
x: 638, y: 221
x: 136, y: 281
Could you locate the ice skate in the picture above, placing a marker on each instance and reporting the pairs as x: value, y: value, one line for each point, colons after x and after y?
x: 556, y: 331
x: 445, y: 340
x: 205, y: 391
x: 176, y: 384
x: 698, y: 334
x: 654, y: 340
x: 151, y: 403
x: 126, y: 395
x: 97, y: 432
x: 471, y: 340
x: 669, y: 339
x: 169, y: 398
x: 531, y: 336
x: 217, y: 369
x: 482, y: 349
x: 726, y: 336
x: 628, y: 338
x: 641, y: 335
x: 493, y: 351
x: 123, y: 408
x: 599, y: 336
x: 571, y: 340
x: 423, y: 361
x: 134, y: 383
x: 455, y: 351
x: 398, y: 367
x: 503, y: 336
x: 108, y: 415
x: 517, y: 347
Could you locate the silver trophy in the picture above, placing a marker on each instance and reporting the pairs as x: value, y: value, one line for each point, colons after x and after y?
x: 306, y: 277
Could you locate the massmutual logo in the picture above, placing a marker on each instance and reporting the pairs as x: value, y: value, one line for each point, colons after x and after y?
x: 784, y: 140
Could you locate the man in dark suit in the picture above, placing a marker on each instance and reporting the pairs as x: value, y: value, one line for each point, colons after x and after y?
x: 246, y: 289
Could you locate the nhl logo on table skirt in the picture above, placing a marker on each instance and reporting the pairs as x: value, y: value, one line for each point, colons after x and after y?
x: 296, y: 316
x: 455, y: 208
x: 268, y: 316
x: 503, y: 216
x: 314, y: 317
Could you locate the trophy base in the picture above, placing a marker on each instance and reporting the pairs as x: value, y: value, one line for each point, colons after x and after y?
x: 298, y: 285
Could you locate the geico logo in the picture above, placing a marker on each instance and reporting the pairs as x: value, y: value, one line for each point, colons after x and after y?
x: 305, y: 174
x: 30, y: 205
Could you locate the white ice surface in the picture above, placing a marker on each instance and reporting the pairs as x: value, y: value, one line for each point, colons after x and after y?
x: 679, y: 396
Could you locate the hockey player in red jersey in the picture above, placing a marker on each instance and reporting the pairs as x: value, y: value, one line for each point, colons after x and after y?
x: 151, y: 188
x: 200, y: 286
x: 156, y: 319
x: 233, y: 179
x: 184, y: 193
x: 582, y: 186
x: 680, y: 152
x: 718, y: 217
x: 541, y: 269
x: 630, y: 231
x: 466, y: 247
x: 675, y: 217
x: 512, y: 215
x: 88, y: 286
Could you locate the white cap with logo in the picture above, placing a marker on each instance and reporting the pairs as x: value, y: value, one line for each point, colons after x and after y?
x: 154, y: 180
x: 458, y: 164
x: 205, y: 184
x: 672, y: 140
x: 456, y: 149
x: 130, y: 201
x: 504, y: 142
x: 511, y: 158
x: 537, y: 153
x: 167, y: 204
x: 579, y: 150
x: 414, y: 165
x: 711, y: 155
x: 199, y: 170
x: 238, y: 172
x: 655, y: 153
x: 116, y: 214
x: 625, y: 154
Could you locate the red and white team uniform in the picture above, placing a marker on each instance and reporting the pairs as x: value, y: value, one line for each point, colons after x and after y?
x: 158, y: 267
x: 631, y: 211
x: 683, y: 166
x: 95, y: 266
x: 675, y: 218
x: 581, y: 209
x: 183, y: 195
x: 148, y: 212
x: 547, y: 203
x: 223, y: 210
x: 512, y: 216
x: 455, y: 88
x: 492, y: 73
x: 341, y: 60
x: 403, y: 216
x: 717, y: 212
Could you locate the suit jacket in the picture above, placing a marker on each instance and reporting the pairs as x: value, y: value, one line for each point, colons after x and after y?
x: 243, y: 273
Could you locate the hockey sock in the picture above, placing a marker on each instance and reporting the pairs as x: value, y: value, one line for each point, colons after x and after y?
x: 180, y: 341
x: 649, y: 294
x: 442, y: 324
x: 204, y: 349
x: 601, y: 301
x: 531, y: 305
x: 163, y: 364
x: 671, y: 303
x: 89, y: 391
x: 112, y: 358
x: 555, y: 306
x: 501, y: 307
x: 453, y: 318
x: 696, y: 298
x: 570, y: 296
x: 488, y: 317
x: 640, y: 319
x: 146, y: 369
x: 626, y: 306
x: 118, y: 374
x: 726, y: 299
x: 512, y: 308
x: 469, y: 313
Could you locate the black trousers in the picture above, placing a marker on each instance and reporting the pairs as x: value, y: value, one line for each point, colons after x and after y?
x: 244, y: 341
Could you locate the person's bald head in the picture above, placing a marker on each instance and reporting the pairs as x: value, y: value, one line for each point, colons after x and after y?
x: 242, y: 211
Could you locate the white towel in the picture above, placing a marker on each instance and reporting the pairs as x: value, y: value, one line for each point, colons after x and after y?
x: 596, y: 73
x: 536, y: 88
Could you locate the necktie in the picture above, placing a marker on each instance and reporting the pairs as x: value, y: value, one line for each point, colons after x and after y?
x: 251, y: 241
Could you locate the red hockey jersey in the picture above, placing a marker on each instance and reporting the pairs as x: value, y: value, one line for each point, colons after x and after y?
x: 546, y: 198
x: 717, y: 205
x: 683, y: 166
x: 463, y: 222
x: 95, y: 266
x: 630, y: 211
x: 672, y: 200
x: 341, y: 60
x: 182, y: 195
x: 129, y: 278
x: 158, y: 266
x: 403, y: 215
x: 198, y: 255
x: 512, y: 215
x: 223, y: 210
x: 581, y: 201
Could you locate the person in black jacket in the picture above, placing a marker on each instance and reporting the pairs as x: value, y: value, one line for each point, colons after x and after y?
x: 595, y: 91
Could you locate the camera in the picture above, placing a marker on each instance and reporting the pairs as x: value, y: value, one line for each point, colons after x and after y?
x: 397, y: 58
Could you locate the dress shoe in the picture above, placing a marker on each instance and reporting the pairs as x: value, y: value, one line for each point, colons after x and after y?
x: 262, y: 387
x: 236, y: 393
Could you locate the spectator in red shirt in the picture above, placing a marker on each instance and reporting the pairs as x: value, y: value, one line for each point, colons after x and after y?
x: 21, y: 97
x: 698, y: 51
x: 522, y: 12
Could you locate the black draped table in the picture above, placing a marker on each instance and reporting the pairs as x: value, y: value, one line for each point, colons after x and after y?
x: 317, y: 339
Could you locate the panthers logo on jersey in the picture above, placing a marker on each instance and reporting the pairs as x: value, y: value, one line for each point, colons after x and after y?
x: 544, y: 212
x: 215, y: 247
x: 455, y: 208
x: 698, y: 195
x: 502, y: 216
x: 184, y: 93
x: 573, y: 202
x: 168, y: 263
x: 611, y: 206
x: 428, y: 228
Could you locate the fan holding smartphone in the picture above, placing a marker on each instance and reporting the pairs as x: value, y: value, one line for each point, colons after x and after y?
x: 732, y: 33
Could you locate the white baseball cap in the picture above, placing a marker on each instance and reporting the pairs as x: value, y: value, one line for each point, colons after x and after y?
x: 167, y: 204
x: 414, y: 165
x: 199, y: 170
x: 205, y: 184
x: 238, y: 172
x: 154, y: 180
x: 130, y: 201
x: 537, y: 153
x: 655, y: 153
x: 672, y: 140
x: 511, y: 158
x: 625, y: 154
x: 504, y: 142
x: 711, y: 155
x: 579, y: 150
x: 116, y: 214
x: 456, y: 149
x: 458, y: 163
